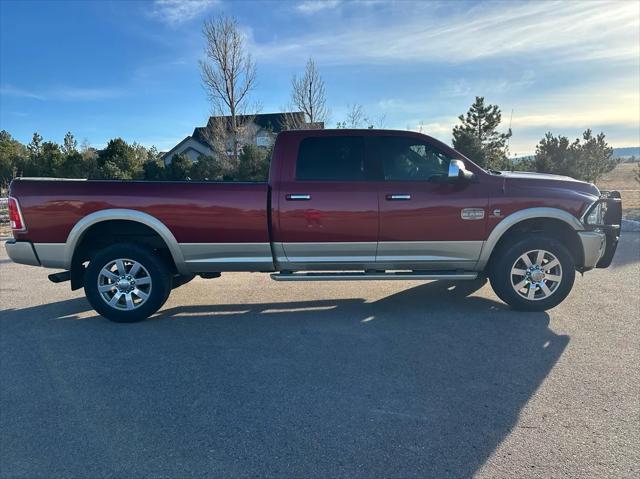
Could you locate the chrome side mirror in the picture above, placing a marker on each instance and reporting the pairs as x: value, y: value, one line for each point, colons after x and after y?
x: 457, y: 170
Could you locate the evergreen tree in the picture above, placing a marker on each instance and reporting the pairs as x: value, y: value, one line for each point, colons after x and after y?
x: 179, y: 168
x: 554, y: 154
x: 254, y: 164
x: 13, y: 154
x: 206, y: 168
x: 477, y: 136
x: 69, y: 144
x: 154, y: 170
x: 119, y: 160
x: 74, y: 166
x: 586, y: 160
x: 51, y: 160
x: 35, y: 147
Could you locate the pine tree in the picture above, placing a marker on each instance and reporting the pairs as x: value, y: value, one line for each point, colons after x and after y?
x: 69, y: 144
x: 587, y: 160
x: 35, y: 147
x: 478, y: 138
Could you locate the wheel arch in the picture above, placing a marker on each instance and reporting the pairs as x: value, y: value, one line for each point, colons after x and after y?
x: 93, y: 220
x: 553, y: 221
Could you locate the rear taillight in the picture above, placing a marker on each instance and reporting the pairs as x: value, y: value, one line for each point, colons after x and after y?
x: 15, y: 215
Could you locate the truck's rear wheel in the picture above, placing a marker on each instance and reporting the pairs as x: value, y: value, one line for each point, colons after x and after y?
x: 126, y: 283
x: 534, y: 273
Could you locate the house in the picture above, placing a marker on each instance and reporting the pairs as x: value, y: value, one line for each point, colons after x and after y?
x: 259, y: 130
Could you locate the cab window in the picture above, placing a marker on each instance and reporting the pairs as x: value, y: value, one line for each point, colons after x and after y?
x: 408, y: 159
x: 339, y: 158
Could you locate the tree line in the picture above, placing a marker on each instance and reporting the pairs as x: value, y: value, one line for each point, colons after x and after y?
x: 119, y: 160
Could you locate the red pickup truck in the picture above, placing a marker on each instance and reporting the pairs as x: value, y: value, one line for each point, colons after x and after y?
x: 338, y: 205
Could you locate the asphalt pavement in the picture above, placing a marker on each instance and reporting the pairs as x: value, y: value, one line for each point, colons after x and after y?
x: 245, y: 377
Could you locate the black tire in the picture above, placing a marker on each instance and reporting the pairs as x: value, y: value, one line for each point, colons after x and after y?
x: 502, y: 280
x: 156, y: 274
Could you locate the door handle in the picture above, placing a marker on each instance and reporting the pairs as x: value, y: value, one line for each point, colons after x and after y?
x: 398, y: 197
x: 298, y: 197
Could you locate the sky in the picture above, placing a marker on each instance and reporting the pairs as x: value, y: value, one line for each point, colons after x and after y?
x: 106, y: 69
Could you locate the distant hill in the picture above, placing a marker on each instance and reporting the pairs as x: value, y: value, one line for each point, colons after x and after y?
x: 627, y: 152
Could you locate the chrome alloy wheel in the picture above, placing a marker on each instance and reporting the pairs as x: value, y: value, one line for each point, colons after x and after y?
x: 124, y: 284
x: 536, y: 275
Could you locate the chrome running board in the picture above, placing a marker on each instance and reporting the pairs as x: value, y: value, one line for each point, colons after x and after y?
x: 362, y: 276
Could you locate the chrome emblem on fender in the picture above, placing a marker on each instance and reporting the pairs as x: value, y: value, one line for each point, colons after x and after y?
x: 472, y: 213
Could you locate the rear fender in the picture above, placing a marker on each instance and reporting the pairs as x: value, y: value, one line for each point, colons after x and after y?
x: 75, y: 236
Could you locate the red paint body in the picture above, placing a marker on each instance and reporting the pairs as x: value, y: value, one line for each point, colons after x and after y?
x: 194, y: 212
x: 209, y: 212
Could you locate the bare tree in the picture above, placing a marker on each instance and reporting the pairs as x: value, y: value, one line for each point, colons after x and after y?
x: 357, y: 118
x: 308, y: 96
x: 228, y: 72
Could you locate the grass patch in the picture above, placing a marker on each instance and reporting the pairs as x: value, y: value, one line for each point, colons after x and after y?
x: 622, y: 178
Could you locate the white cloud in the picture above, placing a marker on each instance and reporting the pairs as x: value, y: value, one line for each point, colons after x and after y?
x: 10, y: 90
x: 315, y: 6
x: 569, y: 31
x: 463, y: 87
x: 65, y: 93
x: 175, y: 12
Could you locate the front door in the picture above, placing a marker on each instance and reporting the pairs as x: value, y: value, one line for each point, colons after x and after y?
x: 427, y: 221
x: 328, y: 216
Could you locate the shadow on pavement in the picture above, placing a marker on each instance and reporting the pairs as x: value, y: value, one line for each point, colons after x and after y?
x: 628, y: 251
x: 423, y: 383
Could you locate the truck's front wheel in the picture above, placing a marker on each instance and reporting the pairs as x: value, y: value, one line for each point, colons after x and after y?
x: 127, y: 282
x: 534, y: 273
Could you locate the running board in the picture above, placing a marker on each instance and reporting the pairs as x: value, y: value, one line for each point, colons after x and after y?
x: 357, y: 276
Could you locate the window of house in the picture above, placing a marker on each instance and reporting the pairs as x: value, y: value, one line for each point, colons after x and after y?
x: 264, y: 140
x: 407, y: 159
x: 338, y: 158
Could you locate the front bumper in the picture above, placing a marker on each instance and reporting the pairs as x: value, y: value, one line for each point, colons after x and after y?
x: 594, y: 244
x: 22, y: 252
x: 609, y: 230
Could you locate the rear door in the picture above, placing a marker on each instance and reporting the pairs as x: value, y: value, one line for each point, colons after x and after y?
x: 328, y: 211
x: 426, y: 220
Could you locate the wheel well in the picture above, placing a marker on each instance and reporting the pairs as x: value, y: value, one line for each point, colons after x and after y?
x: 550, y: 227
x: 106, y: 233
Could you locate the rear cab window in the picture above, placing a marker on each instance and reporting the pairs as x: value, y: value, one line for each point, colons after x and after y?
x: 337, y: 158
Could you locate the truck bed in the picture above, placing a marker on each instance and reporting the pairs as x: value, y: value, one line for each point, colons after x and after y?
x: 213, y: 223
x: 195, y: 212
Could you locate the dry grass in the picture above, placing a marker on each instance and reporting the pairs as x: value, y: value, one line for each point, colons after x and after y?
x: 622, y: 178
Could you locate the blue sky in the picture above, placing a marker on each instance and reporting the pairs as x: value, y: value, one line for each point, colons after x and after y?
x: 104, y: 69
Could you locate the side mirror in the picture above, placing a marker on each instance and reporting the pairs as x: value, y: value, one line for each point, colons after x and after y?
x: 457, y: 170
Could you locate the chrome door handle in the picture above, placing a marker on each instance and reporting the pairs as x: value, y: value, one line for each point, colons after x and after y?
x: 297, y: 197
x: 398, y: 197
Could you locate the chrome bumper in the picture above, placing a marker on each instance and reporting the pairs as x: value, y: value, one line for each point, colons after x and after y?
x: 22, y: 252
x: 594, y: 244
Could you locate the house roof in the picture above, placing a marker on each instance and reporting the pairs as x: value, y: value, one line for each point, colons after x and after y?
x: 276, y: 122
x: 169, y: 154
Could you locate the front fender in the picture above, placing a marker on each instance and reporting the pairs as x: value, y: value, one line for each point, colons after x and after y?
x: 514, y: 218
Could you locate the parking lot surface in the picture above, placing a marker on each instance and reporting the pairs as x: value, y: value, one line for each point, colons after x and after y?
x: 245, y: 377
